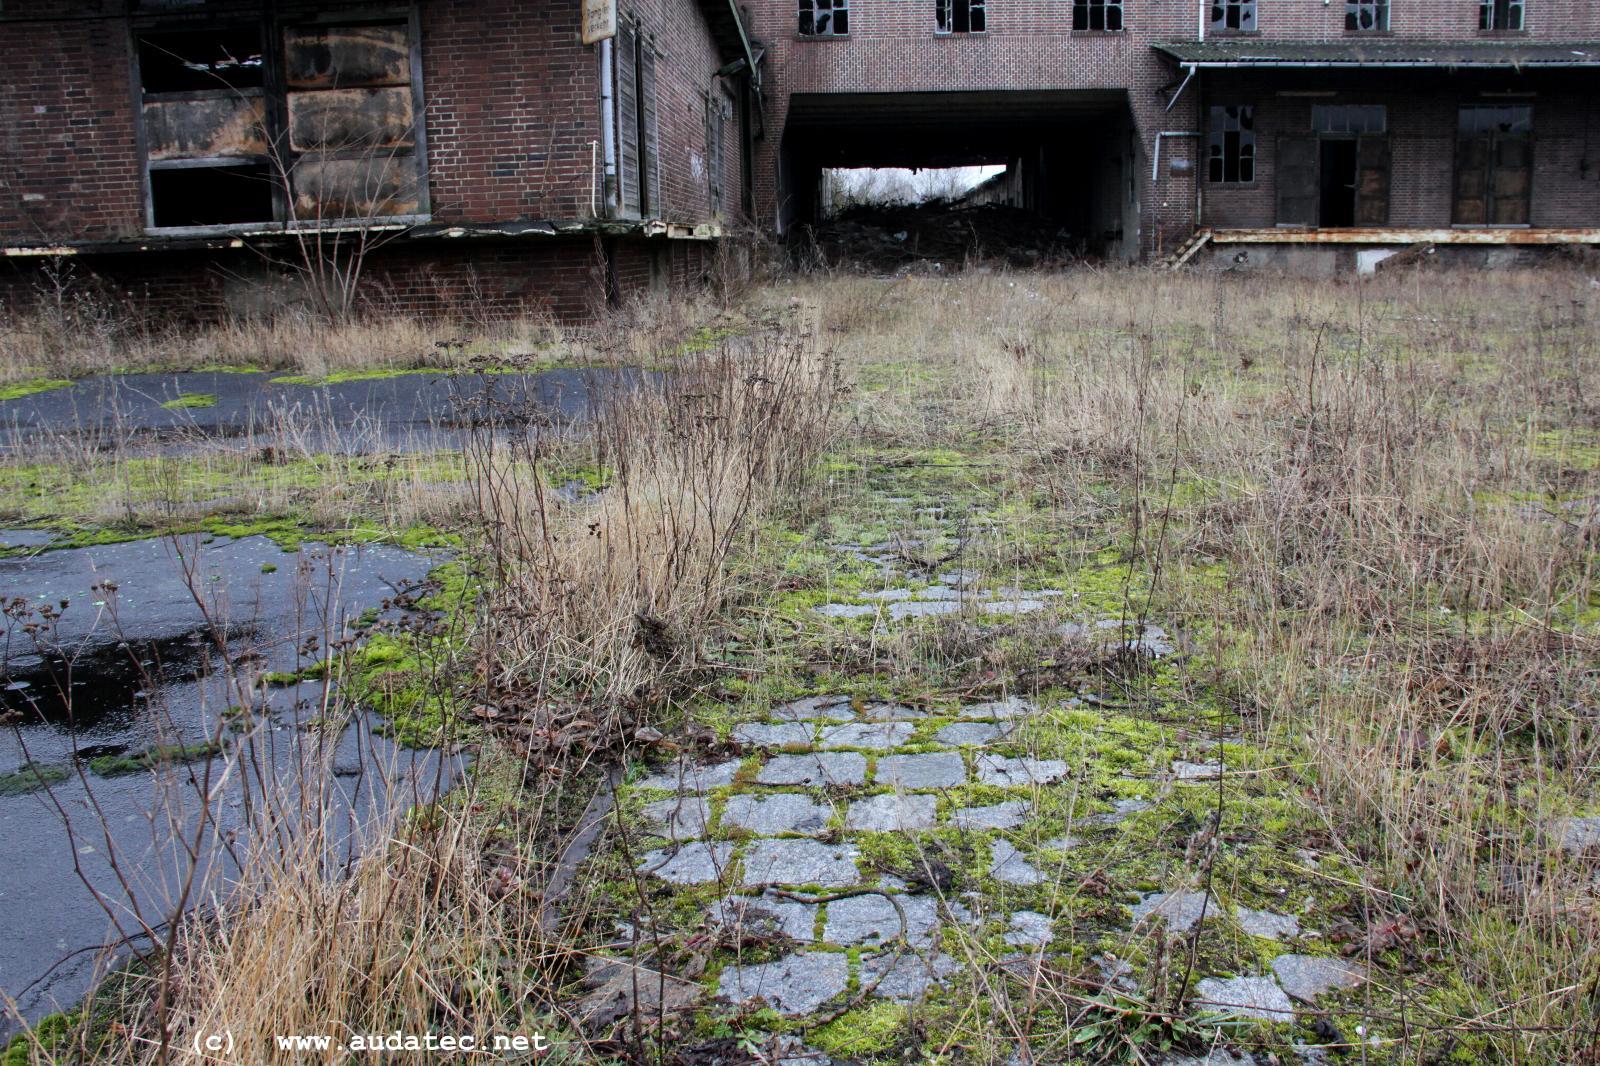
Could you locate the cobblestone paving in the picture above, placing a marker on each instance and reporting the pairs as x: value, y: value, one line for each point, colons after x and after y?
x: 777, y: 856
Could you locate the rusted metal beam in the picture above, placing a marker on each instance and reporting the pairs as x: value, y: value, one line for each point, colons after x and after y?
x: 1400, y: 235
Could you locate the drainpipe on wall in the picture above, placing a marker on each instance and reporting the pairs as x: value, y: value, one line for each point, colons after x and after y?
x: 1200, y: 23
x: 608, y: 126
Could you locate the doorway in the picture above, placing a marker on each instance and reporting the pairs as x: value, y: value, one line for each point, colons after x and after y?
x: 1337, y: 193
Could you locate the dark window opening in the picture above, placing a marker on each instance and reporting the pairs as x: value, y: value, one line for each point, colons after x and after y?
x: 1500, y: 15
x: 315, y: 124
x: 1337, y: 205
x: 211, y: 196
x: 195, y: 61
x: 1235, y: 15
x: 1366, y: 16
x: 1231, y: 145
x: 824, y: 18
x: 638, y: 122
x: 1103, y: 15
x: 960, y: 16
x: 1494, y: 165
x: 1349, y: 118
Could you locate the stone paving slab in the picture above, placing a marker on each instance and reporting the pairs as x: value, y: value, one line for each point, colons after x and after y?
x: 687, y: 776
x: 976, y: 734
x: 1245, y: 997
x: 874, y: 736
x: 1180, y: 910
x: 1030, y: 929
x: 755, y: 915
x: 884, y: 711
x: 692, y: 864
x: 1266, y: 924
x: 892, y: 813
x: 1007, y: 815
x: 680, y: 818
x: 1305, y: 977
x: 785, y: 812
x: 873, y: 919
x: 1008, y: 772
x: 823, y: 768
x: 814, y: 708
x: 905, y: 977
x: 775, y: 735
x: 794, y: 985
x: 1009, y: 865
x: 932, y: 770
x: 1011, y: 707
x: 800, y: 862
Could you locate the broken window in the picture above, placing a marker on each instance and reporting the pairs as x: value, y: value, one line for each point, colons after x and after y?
x: 1494, y: 165
x: 1097, y: 15
x: 205, y: 128
x: 960, y: 16
x: 1500, y: 15
x: 321, y: 125
x: 1349, y: 118
x: 824, y: 18
x: 638, y: 124
x: 1236, y: 15
x: 1231, y: 144
x: 1366, y: 16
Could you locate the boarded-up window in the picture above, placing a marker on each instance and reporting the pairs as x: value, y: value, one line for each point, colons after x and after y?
x: 1295, y: 173
x: 1494, y: 165
x: 320, y: 126
x: 352, y: 124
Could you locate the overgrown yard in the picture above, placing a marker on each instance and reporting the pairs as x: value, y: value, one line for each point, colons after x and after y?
x: 994, y: 668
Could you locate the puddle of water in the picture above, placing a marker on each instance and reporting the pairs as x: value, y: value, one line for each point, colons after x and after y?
x: 124, y: 670
x: 408, y: 412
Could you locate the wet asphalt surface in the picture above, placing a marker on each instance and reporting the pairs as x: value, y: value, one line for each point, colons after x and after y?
x: 406, y: 412
x: 133, y: 661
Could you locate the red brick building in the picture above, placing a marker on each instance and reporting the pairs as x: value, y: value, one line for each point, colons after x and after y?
x: 202, y: 156
x: 1316, y: 134
x: 477, y: 156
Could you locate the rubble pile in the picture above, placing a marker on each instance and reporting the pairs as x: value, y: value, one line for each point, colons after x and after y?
x: 939, y: 234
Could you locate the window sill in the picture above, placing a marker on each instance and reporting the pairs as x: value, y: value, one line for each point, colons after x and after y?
x: 1369, y: 33
x: 1244, y: 185
x: 1234, y: 33
x: 821, y: 37
x: 386, y: 223
x: 1100, y: 33
x: 956, y: 35
x: 1502, y: 33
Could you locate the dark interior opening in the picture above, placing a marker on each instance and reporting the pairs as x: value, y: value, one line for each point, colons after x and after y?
x: 1338, y: 182
x: 189, y: 61
x: 211, y: 196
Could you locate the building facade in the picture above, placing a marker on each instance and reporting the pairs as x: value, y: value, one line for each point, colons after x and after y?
x: 1314, y: 134
x: 201, y: 157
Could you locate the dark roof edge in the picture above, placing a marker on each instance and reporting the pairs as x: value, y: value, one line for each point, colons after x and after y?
x: 1202, y: 56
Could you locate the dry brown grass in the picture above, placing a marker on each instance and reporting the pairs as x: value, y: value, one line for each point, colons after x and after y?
x: 1382, y: 467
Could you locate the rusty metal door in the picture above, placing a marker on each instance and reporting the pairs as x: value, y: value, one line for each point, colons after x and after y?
x: 1372, y: 180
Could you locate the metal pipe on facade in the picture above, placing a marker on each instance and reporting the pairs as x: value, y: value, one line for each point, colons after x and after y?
x: 608, y: 126
x: 1155, y: 165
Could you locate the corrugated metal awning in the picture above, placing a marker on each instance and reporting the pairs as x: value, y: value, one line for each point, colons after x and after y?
x: 1256, y: 53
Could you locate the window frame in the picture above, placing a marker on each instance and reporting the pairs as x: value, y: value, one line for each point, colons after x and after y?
x: 1217, y: 138
x: 1247, y: 13
x: 1324, y: 120
x: 1352, y: 17
x: 807, y: 15
x: 1107, y: 11
x: 274, y: 91
x: 1490, y: 12
x: 945, y: 11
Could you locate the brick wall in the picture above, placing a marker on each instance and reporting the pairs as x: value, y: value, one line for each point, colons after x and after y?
x: 68, y: 162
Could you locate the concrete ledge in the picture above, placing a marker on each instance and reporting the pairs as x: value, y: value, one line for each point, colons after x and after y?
x: 1404, y: 235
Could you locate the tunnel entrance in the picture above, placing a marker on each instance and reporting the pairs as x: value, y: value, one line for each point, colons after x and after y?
x: 1070, y: 157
